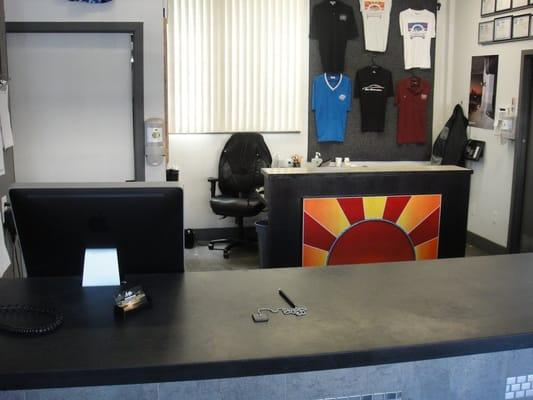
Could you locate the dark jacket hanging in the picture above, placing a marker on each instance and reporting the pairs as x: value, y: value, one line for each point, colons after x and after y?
x: 449, y: 148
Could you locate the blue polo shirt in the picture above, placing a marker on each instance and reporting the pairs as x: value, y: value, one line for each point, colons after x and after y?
x: 93, y: 1
x: 331, y: 102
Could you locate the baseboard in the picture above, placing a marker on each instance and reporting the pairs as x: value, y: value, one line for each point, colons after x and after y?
x: 203, y: 236
x: 485, y: 244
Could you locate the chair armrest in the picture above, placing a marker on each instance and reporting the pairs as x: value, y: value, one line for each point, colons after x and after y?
x: 213, y: 182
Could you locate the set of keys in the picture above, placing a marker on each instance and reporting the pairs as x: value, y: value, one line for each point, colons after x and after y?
x: 262, y: 313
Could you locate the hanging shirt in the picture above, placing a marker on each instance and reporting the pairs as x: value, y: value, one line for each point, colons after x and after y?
x: 417, y: 28
x: 331, y: 102
x: 373, y: 86
x: 412, y: 100
x: 376, y: 20
x: 333, y: 24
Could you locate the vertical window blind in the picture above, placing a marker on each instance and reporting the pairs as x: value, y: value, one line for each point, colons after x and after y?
x: 237, y: 65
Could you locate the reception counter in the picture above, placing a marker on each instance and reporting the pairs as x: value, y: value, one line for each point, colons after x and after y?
x: 364, y: 322
x: 358, y: 214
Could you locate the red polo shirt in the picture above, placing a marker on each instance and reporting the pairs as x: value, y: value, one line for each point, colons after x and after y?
x: 412, y: 100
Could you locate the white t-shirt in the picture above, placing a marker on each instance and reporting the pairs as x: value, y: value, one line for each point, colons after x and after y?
x: 417, y: 28
x: 376, y: 18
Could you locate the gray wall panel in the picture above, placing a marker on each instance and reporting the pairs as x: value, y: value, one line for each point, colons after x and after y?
x: 373, y: 146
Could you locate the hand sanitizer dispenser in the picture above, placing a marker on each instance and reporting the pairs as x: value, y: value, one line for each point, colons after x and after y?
x: 155, y: 149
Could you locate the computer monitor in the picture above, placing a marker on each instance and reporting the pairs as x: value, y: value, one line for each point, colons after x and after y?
x: 56, y: 223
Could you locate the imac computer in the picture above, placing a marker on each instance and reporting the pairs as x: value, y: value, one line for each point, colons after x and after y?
x: 57, y: 223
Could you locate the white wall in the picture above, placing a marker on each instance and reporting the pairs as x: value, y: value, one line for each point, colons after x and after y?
x: 148, y: 11
x: 490, y: 199
x: 197, y: 158
x: 197, y: 155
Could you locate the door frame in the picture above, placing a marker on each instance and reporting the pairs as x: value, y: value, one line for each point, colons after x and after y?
x: 135, y: 29
x: 523, y: 127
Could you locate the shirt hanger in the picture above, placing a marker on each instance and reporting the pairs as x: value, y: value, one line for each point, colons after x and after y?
x: 414, y: 81
x: 373, y: 64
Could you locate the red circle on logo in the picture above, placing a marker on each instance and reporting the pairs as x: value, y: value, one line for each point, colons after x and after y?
x: 372, y: 242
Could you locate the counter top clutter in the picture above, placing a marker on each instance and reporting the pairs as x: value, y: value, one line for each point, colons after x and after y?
x: 200, y: 324
x: 361, y: 169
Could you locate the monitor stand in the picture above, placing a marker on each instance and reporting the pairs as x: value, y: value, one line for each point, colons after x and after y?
x: 100, y: 268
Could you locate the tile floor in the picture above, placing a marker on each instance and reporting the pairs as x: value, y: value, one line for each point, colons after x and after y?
x: 202, y: 259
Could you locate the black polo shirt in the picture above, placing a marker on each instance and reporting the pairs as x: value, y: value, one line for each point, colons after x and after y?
x: 373, y: 86
x: 333, y: 25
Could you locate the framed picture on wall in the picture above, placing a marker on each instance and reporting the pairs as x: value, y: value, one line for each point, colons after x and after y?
x: 503, y: 28
x: 520, y: 3
x: 502, y: 5
x: 486, y: 32
x: 488, y: 7
x: 531, y: 26
x: 521, y: 26
x: 483, y: 85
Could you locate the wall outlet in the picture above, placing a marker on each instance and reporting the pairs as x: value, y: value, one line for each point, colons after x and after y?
x: 3, y: 209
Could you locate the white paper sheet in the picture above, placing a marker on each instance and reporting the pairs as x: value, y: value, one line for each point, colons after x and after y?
x: 5, y: 119
x: 5, y: 262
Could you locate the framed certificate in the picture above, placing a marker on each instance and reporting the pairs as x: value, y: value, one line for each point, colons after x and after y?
x: 488, y: 7
x: 502, y: 5
x: 520, y: 3
x: 521, y: 26
x: 531, y: 26
x: 503, y: 28
x: 486, y: 32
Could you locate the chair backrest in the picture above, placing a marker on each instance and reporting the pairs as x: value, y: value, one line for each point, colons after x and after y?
x: 239, y: 168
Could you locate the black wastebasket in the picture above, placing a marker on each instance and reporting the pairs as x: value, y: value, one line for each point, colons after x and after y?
x: 173, y: 175
x: 263, y: 240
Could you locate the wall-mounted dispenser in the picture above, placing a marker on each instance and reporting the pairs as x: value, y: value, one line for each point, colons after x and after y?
x: 505, y: 122
x: 155, y: 148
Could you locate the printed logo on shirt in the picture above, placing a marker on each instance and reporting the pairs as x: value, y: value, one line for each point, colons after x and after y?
x: 342, y: 97
x: 424, y: 96
x: 377, y: 5
x: 343, y: 17
x: 418, y: 29
x: 374, y: 88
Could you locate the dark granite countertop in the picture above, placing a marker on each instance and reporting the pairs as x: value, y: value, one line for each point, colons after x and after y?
x: 200, y: 324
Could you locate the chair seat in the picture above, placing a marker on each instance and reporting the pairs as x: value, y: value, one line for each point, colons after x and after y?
x: 236, y: 207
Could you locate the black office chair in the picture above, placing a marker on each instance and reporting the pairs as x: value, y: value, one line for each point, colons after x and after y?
x: 239, y: 174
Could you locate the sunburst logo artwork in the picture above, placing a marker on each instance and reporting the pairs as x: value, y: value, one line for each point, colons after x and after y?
x: 357, y: 230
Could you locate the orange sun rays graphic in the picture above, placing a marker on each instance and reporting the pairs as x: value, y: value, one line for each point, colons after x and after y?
x: 355, y: 230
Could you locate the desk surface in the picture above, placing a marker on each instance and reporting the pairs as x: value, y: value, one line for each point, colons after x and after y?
x: 361, y: 169
x: 200, y: 325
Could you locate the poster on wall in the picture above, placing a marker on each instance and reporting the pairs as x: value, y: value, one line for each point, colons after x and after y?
x: 486, y: 32
x: 488, y: 7
x: 520, y: 3
x: 503, y: 5
x: 370, y: 229
x: 521, y: 26
x: 483, y: 84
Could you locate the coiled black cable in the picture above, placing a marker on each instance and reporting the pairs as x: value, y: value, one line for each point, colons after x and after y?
x: 29, y: 320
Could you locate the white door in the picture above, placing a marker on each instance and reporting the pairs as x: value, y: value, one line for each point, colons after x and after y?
x: 71, y: 104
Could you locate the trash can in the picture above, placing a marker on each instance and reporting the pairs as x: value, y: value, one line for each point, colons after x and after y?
x: 263, y: 240
x: 173, y: 175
